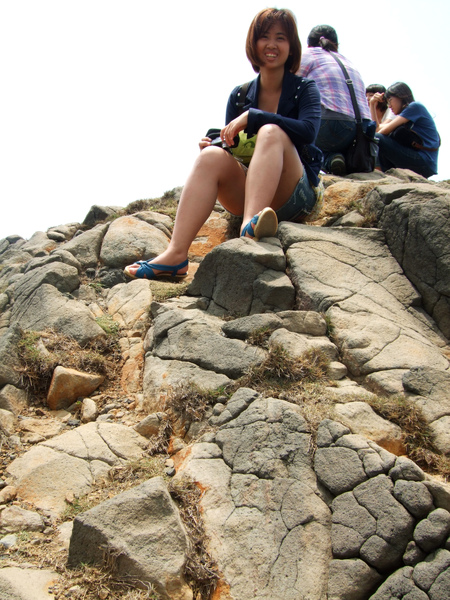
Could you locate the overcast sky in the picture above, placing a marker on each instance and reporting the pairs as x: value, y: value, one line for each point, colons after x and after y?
x: 104, y: 101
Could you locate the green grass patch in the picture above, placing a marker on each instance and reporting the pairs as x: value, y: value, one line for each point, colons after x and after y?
x: 108, y: 325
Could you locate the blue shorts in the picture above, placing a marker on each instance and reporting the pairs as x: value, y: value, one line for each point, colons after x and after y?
x: 300, y: 204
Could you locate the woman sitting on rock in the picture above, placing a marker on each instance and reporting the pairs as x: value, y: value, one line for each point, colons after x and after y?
x: 338, y: 127
x: 284, y: 111
x: 379, y: 110
x: 421, y: 156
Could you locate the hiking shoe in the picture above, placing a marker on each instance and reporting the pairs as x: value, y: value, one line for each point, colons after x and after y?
x: 337, y: 165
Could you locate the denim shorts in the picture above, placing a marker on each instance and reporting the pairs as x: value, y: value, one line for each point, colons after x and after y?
x: 300, y: 204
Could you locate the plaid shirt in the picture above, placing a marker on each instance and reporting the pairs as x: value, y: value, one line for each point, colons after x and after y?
x: 317, y: 64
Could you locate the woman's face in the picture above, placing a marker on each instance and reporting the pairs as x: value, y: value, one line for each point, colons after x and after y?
x: 272, y: 47
x: 395, y: 104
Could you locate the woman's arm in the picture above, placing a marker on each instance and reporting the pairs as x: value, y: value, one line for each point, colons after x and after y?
x: 373, y: 103
x: 386, y: 128
x: 301, y: 128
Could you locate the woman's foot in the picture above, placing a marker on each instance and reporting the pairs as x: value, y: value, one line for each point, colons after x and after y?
x: 147, y: 269
x: 264, y: 224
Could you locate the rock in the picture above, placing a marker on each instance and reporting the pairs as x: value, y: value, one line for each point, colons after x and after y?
x: 47, y: 308
x: 336, y: 370
x: 151, y: 424
x: 232, y: 273
x: 89, y: 410
x: 243, y: 327
x: 201, y: 341
x: 406, y: 469
x: 86, y: 246
x: 399, y: 585
x: 351, y: 579
x: 427, y: 572
x: 413, y: 554
x: 8, y: 541
x: 428, y: 388
x: 7, y: 494
x: 143, y: 530
x: 395, y: 525
x: 13, y: 399
x: 296, y: 344
x: 431, y: 532
x: 7, y: 421
x: 39, y: 244
x: 133, y: 357
x: 416, y: 225
x: 441, y: 434
x: 42, y: 428
x: 352, y: 526
x: 371, y: 308
x: 71, y: 462
x: 128, y: 304
x: 129, y: 239
x: 414, y: 496
x: 68, y: 384
x: 261, y: 501
x: 339, y: 469
x: 9, y: 360
x: 162, y: 377
x: 100, y: 213
x: 26, y: 584
x: 361, y: 418
x: 14, y: 519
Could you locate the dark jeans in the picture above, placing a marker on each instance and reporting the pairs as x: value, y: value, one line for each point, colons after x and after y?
x: 392, y: 154
x: 334, y: 137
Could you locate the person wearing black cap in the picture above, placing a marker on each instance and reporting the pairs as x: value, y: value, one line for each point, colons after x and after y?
x: 338, y: 126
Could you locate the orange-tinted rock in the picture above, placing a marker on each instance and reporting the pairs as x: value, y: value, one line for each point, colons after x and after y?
x: 68, y: 385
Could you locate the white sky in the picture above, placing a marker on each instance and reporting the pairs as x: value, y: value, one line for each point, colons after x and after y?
x: 104, y: 101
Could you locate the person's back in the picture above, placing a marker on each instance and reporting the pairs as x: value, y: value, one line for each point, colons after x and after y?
x: 319, y: 65
x: 338, y: 123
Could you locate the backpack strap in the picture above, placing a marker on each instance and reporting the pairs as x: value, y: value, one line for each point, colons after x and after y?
x: 241, y: 95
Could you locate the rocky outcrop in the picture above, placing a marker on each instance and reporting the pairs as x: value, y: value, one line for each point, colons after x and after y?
x: 337, y: 513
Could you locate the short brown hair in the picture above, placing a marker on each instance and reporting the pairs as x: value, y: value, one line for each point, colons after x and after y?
x: 261, y: 23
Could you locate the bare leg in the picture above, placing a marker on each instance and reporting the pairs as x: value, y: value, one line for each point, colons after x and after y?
x: 273, y: 174
x: 215, y: 174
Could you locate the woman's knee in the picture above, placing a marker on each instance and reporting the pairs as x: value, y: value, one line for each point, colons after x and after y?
x: 270, y: 133
x: 212, y: 159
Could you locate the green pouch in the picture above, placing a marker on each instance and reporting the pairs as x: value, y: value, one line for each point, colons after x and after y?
x: 243, y: 152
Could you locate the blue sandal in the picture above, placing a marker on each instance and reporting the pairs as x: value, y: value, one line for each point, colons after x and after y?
x: 147, y: 270
x: 264, y: 224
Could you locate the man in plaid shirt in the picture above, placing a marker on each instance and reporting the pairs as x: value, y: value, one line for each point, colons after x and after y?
x: 338, y: 126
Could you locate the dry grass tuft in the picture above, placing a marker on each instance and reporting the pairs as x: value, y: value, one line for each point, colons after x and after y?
x: 281, y: 373
x: 41, y: 352
x: 163, y: 290
x: 190, y: 402
x: 185, y: 404
x: 201, y: 572
x: 260, y: 337
x: 418, y: 435
x: 166, y: 205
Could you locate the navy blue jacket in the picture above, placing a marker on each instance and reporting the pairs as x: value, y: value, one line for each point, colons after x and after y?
x: 298, y: 115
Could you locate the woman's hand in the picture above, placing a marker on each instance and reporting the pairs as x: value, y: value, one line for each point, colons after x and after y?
x: 377, y: 97
x: 229, y: 132
x: 204, y: 143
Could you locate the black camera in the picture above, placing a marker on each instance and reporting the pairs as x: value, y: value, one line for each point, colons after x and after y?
x: 218, y: 142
